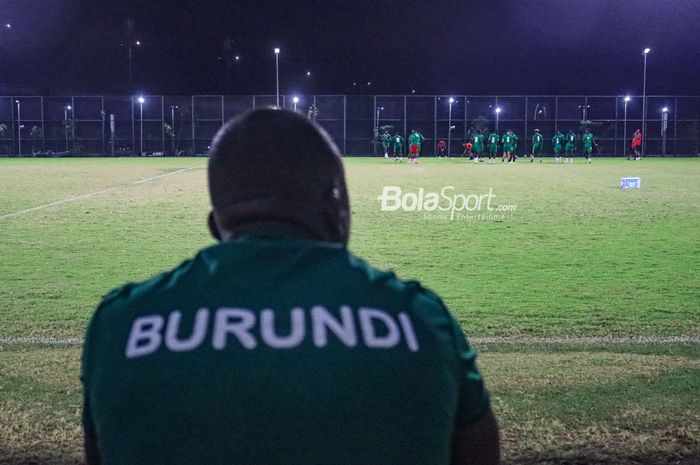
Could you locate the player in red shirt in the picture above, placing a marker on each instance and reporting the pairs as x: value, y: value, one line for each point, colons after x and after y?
x: 636, y: 144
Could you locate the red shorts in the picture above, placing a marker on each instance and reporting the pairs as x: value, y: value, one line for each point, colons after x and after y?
x: 413, y: 148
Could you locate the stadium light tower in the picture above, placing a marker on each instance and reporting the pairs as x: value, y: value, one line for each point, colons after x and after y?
x: 19, y: 129
x: 664, y: 127
x: 141, y: 100
x: 644, y: 101
x: 584, y: 111
x: 295, y: 100
x: 65, y: 119
x: 172, y: 119
x: 277, y: 74
x: 449, y: 125
x: 624, y: 138
x: 498, y: 113
x: 2, y: 42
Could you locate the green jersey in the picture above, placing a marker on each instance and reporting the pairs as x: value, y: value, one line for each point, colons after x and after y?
x: 558, y: 140
x: 478, y: 140
x: 386, y: 139
x: 416, y: 139
x: 398, y: 141
x: 493, y: 139
x: 277, y: 350
x: 509, y: 139
x: 537, y: 139
x: 570, y: 139
x: 588, y: 139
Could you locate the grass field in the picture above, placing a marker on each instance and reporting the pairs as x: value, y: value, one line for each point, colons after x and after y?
x: 578, y: 258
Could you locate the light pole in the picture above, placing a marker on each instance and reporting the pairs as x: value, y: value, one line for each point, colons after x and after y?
x: 644, y: 102
x: 624, y: 138
x: 19, y: 129
x: 2, y: 44
x: 172, y: 119
x: 376, y: 128
x: 584, y: 111
x: 498, y: 112
x: 664, y: 126
x: 449, y: 125
x: 295, y: 100
x: 141, y: 100
x: 65, y: 118
x: 277, y: 74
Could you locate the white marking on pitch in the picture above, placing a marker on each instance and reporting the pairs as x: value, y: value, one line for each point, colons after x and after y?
x: 564, y: 340
x: 83, y: 196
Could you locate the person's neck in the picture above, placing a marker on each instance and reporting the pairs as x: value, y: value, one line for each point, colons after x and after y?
x: 268, y: 228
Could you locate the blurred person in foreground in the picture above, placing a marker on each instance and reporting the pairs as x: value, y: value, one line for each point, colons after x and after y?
x: 277, y: 345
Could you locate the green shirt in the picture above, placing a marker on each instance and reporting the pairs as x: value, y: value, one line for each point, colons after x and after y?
x: 398, y: 141
x: 537, y: 139
x: 493, y: 138
x: 478, y: 139
x: 274, y: 350
x: 558, y: 139
x: 385, y: 138
x: 588, y: 139
x: 416, y: 139
x: 509, y: 139
x: 570, y: 138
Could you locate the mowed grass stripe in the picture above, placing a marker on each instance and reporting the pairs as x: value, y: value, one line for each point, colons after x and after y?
x: 83, y: 196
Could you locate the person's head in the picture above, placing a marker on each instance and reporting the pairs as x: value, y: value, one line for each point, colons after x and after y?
x: 537, y: 131
x: 413, y: 131
x: 275, y: 172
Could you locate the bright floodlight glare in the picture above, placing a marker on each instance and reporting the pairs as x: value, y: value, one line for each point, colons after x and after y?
x: 138, y: 42
x: 308, y: 73
x: 277, y: 51
x: 8, y: 25
x: 498, y: 109
x: 141, y: 99
x: 16, y: 101
x: 295, y: 99
x: 452, y: 100
x: 68, y: 107
x: 627, y: 98
x: 237, y: 58
x: 664, y: 109
x: 647, y: 50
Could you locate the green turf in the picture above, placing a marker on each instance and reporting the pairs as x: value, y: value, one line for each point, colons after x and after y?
x: 578, y: 257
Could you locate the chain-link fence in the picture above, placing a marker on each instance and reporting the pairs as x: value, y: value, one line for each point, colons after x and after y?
x: 185, y: 125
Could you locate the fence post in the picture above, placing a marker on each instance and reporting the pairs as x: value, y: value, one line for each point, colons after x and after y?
x: 194, y: 147
x: 345, y: 124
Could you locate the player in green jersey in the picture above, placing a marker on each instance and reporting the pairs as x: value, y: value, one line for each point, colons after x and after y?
x: 386, y: 142
x: 398, y: 141
x: 558, y: 145
x: 277, y: 345
x: 414, y: 142
x: 508, y: 141
x: 478, y: 145
x: 537, y: 142
x: 570, y: 147
x: 514, y: 154
x: 588, y: 141
x: 493, y: 146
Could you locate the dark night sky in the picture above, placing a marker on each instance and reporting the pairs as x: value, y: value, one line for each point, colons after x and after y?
x: 465, y: 47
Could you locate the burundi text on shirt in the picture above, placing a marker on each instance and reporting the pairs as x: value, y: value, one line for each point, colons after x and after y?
x: 378, y: 329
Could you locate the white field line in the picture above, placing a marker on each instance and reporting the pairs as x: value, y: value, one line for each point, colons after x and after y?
x: 564, y: 340
x: 83, y: 196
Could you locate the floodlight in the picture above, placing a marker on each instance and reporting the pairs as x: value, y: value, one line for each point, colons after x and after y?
x: 138, y: 42
x: 68, y: 107
x: 308, y: 74
x: 141, y: 99
x: 498, y: 109
x: 664, y: 110
x: 8, y: 26
x: 295, y: 99
x: 452, y: 100
x: 627, y: 98
x: 238, y: 58
x: 647, y: 50
x: 277, y: 51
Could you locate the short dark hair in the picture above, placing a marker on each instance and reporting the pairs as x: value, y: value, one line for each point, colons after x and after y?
x: 274, y: 165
